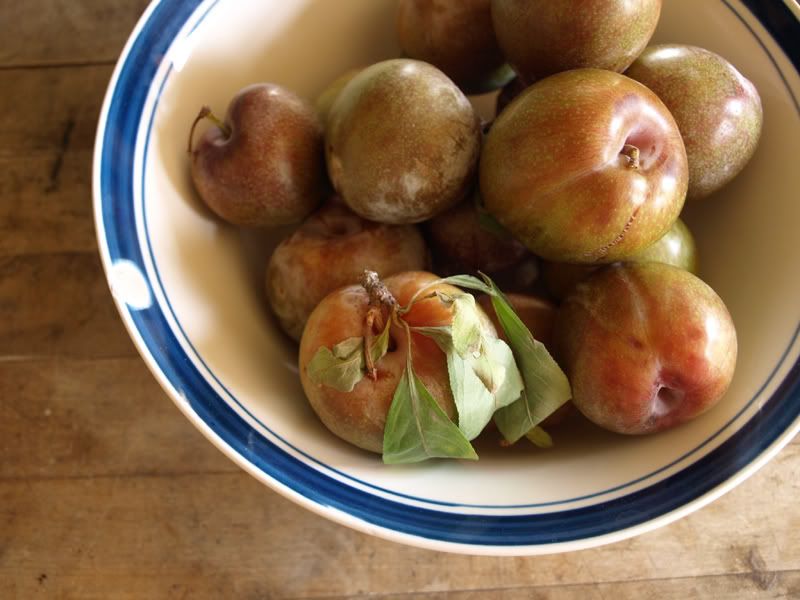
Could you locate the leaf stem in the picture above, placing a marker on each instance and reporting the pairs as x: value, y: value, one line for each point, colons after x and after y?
x: 417, y: 297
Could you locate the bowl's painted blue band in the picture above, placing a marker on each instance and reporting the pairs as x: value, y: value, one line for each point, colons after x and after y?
x: 136, y: 75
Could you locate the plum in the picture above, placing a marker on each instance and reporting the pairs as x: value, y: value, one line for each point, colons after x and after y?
x: 676, y: 247
x: 359, y: 416
x: 402, y: 142
x: 457, y: 37
x: 328, y: 96
x: 461, y: 243
x: 717, y: 109
x: 543, y: 37
x: 538, y: 315
x: 586, y: 166
x: 330, y: 250
x: 646, y: 347
x: 262, y: 166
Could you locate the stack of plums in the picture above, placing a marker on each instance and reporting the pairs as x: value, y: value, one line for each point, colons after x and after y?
x: 598, y: 142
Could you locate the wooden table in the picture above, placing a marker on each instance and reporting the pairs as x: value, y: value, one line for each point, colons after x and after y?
x: 107, y: 491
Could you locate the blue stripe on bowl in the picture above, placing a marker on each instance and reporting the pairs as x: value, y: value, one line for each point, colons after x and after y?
x: 136, y: 75
x: 781, y: 24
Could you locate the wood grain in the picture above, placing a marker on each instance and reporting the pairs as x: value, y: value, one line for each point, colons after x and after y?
x: 48, y: 119
x: 224, y: 535
x: 94, y: 418
x: 64, y: 32
x: 58, y: 305
x: 40, y: 108
x: 107, y: 491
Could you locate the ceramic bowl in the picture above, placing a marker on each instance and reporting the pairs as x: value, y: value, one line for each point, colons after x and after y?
x: 190, y: 290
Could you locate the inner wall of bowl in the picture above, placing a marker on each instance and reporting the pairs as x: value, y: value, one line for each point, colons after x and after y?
x: 211, y: 274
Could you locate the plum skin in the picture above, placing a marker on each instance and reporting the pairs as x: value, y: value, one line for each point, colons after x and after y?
x: 459, y: 241
x: 328, y: 96
x: 543, y: 37
x: 329, y: 250
x: 553, y: 169
x: 717, y: 109
x: 646, y: 347
x: 270, y: 170
x: 677, y: 247
x: 402, y: 142
x: 359, y: 416
x: 457, y: 37
x: 538, y: 315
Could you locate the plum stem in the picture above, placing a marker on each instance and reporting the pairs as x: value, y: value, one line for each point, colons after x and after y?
x: 205, y: 113
x: 374, y: 315
x: 379, y: 294
x: 380, y: 300
x: 631, y: 152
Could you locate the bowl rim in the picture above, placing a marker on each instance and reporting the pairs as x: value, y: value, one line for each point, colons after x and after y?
x: 160, y: 25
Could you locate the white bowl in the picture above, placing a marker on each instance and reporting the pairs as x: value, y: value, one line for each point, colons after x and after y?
x: 189, y: 290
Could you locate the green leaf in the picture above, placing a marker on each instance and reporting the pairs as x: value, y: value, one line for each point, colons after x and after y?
x: 469, y: 395
x: 483, y: 384
x: 341, y: 367
x: 514, y: 420
x: 546, y: 385
x: 380, y: 345
x: 488, y: 222
x: 480, y: 384
x: 467, y: 282
x: 540, y: 438
x: 506, y: 379
x: 442, y: 335
x: 463, y: 281
x: 467, y: 331
x: 418, y: 429
x: 493, y: 81
x: 346, y: 348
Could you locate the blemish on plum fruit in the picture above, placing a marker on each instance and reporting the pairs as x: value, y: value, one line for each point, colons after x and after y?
x: 636, y: 343
x: 695, y: 334
x: 603, y: 251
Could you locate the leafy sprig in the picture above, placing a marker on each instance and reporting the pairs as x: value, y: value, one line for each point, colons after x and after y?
x: 518, y: 384
x: 416, y: 427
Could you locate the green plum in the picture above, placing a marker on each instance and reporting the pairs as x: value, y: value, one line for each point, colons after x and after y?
x: 402, y: 142
x: 586, y: 166
x: 325, y: 100
x: 717, y: 109
x: 676, y: 248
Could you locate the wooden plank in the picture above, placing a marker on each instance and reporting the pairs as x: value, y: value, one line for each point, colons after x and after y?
x: 225, y: 535
x: 58, y: 305
x: 51, y: 32
x: 46, y: 110
x: 46, y: 204
x: 48, y: 119
x: 89, y: 418
x: 784, y: 584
